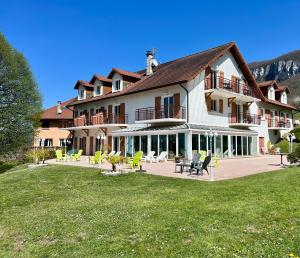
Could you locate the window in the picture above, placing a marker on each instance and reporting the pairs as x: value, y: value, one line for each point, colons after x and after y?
x: 98, y: 90
x: 168, y: 106
x: 81, y: 93
x: 117, y: 110
x: 213, y: 105
x: 62, y: 143
x: 262, y: 112
x: 47, y: 142
x: 283, y: 97
x: 117, y: 85
x: 271, y: 93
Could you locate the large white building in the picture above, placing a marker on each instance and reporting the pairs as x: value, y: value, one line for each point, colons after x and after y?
x: 173, y: 106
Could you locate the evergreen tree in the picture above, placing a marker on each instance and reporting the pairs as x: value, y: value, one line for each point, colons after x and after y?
x: 20, y: 101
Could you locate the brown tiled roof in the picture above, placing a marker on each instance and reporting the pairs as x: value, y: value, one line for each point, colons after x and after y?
x: 51, y: 113
x: 268, y: 83
x: 123, y: 72
x: 100, y: 78
x: 283, y: 87
x: 277, y: 103
x: 83, y: 83
x: 180, y: 71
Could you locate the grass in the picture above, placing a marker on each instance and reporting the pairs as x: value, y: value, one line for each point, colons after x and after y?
x: 62, y: 211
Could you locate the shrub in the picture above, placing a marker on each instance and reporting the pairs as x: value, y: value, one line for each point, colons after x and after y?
x: 294, y: 157
x: 296, y: 131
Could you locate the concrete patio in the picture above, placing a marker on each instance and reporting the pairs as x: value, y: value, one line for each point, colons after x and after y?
x: 228, y: 169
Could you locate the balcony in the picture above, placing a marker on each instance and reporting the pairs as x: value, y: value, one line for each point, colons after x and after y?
x: 161, y: 114
x: 99, y: 120
x: 243, y: 119
x: 223, y: 87
x: 275, y: 124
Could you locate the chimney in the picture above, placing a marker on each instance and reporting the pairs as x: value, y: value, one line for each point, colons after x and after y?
x: 58, y: 108
x: 149, y: 56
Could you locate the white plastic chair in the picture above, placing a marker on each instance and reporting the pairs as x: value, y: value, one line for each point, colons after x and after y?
x: 111, y: 153
x: 162, y: 156
x: 150, y: 157
x: 118, y: 154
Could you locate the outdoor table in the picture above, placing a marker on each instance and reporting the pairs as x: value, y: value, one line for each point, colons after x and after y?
x: 182, y: 166
x: 281, y: 157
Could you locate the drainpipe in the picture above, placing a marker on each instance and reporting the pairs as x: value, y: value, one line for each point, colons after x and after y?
x: 187, y: 103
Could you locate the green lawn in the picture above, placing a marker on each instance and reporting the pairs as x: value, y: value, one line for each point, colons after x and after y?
x: 75, y: 212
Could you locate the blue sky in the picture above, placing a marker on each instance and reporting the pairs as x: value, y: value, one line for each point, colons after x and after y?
x: 69, y: 40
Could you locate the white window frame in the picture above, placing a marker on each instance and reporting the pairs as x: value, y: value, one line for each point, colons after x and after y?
x: 96, y: 87
x: 216, y: 105
x: 120, y: 85
x: 81, y: 90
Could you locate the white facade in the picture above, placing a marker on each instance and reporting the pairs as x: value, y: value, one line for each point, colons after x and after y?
x: 242, y: 134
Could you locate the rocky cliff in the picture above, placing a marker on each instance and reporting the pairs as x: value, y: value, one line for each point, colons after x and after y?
x: 285, y: 69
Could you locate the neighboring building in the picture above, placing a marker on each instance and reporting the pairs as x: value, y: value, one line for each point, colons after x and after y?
x: 173, y: 106
x: 52, y: 121
x: 276, y: 114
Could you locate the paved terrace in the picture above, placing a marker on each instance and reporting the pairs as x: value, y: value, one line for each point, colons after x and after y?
x: 228, y: 169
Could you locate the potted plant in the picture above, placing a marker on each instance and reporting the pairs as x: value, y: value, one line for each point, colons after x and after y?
x: 114, y: 160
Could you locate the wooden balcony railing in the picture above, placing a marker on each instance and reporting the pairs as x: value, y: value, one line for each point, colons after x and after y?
x: 229, y: 85
x: 100, y: 119
x: 275, y: 123
x: 244, y: 118
x: 160, y: 112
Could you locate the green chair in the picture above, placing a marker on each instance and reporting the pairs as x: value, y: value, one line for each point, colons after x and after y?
x: 59, y: 155
x: 76, y: 156
x: 136, y: 160
x: 95, y: 159
x: 203, y: 155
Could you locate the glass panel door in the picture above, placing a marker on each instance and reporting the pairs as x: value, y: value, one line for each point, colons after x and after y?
x: 130, y: 146
x: 162, y: 143
x: 239, y: 145
x: 181, y: 145
x: 136, y: 143
x: 202, y: 142
x: 195, y: 142
x: 172, y: 146
x: 144, y: 144
x: 225, y: 146
x: 168, y: 107
x: 154, y: 143
x: 233, y: 146
x: 245, y: 153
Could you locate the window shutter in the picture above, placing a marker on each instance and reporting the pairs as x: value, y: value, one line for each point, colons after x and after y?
x: 208, y: 103
x: 75, y: 143
x: 258, y: 111
x: 176, y: 105
x: 221, y: 105
x: 234, y: 83
x: 157, y: 107
x: 208, y: 78
x: 110, y: 115
x: 122, y: 113
x: 91, y: 145
x: 221, y: 79
x: 233, y: 112
x: 109, y: 143
x: 245, y: 108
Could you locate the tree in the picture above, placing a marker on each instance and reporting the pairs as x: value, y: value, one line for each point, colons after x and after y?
x: 20, y: 100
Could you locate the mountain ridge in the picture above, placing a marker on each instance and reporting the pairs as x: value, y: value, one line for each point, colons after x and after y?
x: 285, y: 69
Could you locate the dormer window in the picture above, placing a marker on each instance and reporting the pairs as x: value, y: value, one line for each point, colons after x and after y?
x: 98, y: 90
x: 117, y: 85
x: 81, y: 93
x: 271, y: 93
x: 283, y: 97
